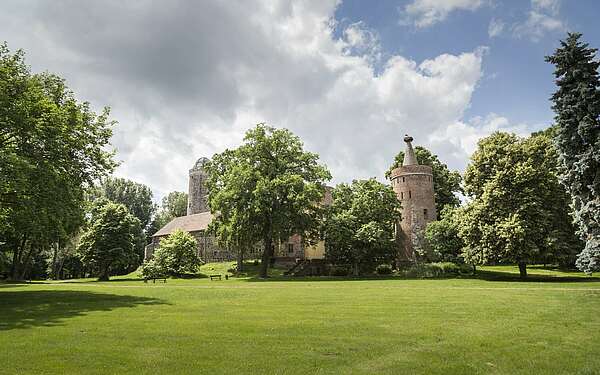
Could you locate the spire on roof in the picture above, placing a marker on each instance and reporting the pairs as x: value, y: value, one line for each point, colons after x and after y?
x: 409, y: 154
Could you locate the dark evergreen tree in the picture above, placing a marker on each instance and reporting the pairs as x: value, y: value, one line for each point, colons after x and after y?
x: 577, y: 108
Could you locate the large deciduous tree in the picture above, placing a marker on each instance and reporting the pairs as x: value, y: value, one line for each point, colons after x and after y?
x: 518, y: 210
x: 135, y: 196
x: 577, y: 107
x: 446, y: 183
x: 266, y: 190
x: 52, y: 148
x: 360, y: 226
x: 109, y: 242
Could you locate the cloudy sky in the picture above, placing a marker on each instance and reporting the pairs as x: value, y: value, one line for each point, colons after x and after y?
x: 186, y: 79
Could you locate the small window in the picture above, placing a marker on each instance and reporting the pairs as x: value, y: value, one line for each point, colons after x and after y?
x: 290, y: 248
x: 401, y: 195
x: 215, y: 253
x: 402, y: 179
x: 425, y: 213
x: 409, y: 194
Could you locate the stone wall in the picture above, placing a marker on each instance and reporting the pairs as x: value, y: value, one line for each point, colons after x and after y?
x: 413, y: 185
x: 197, y: 191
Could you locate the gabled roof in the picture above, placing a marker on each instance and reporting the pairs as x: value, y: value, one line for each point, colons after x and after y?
x: 189, y: 223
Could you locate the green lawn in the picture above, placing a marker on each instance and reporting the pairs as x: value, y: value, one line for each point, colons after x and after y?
x: 491, y: 325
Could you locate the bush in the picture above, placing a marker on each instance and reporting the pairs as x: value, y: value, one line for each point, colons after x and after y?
x: 339, y: 271
x: 384, y: 269
x: 149, y: 270
x: 176, y: 255
x: 432, y: 270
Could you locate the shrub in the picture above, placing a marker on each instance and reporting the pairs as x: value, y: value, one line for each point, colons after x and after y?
x: 149, y: 270
x: 339, y: 271
x: 384, y: 269
x: 176, y: 254
x: 432, y: 270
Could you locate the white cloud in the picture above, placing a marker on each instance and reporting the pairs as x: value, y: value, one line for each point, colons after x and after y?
x: 550, y: 6
x: 187, y: 79
x: 495, y: 28
x: 543, y: 18
x: 424, y: 13
x: 459, y: 140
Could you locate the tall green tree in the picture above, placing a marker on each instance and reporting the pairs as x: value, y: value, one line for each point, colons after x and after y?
x: 135, y: 196
x: 446, y: 183
x: 109, y: 243
x: 577, y: 108
x: 442, y: 236
x: 360, y: 225
x: 52, y: 148
x: 266, y: 190
x: 514, y: 191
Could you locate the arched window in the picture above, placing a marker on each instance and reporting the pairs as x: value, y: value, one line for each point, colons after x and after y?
x: 409, y: 194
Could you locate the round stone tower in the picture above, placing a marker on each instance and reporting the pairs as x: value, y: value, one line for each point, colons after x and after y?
x: 413, y: 184
x: 197, y: 193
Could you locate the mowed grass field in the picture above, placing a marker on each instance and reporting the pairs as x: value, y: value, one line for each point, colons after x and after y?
x: 490, y: 325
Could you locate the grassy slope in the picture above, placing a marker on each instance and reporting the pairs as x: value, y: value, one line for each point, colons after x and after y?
x: 451, y: 326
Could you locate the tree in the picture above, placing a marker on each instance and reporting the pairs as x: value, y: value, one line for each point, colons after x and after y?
x: 176, y: 255
x: 109, y: 243
x: 446, y: 183
x: 512, y: 216
x: 266, y: 190
x: 442, y: 236
x: 52, y: 148
x: 359, y: 229
x: 135, y: 196
x: 577, y: 108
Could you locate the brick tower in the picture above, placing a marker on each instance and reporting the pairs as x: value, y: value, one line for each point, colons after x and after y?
x: 413, y: 184
x: 197, y: 193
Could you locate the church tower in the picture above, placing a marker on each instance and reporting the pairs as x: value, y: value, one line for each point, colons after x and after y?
x: 197, y: 192
x: 413, y: 184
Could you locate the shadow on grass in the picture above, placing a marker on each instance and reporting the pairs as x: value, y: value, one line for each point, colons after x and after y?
x: 486, y: 275
x: 26, y: 309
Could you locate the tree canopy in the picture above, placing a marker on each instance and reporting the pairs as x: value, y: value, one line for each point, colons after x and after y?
x: 266, y: 190
x: 52, y: 148
x: 359, y: 226
x: 135, y: 196
x: 109, y: 243
x: 577, y: 108
x: 517, y: 211
x: 446, y: 183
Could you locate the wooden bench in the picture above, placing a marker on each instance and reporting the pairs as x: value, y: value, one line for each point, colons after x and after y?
x: 163, y: 279
x: 215, y: 277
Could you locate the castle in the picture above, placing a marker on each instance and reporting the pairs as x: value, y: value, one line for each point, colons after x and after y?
x: 413, y: 184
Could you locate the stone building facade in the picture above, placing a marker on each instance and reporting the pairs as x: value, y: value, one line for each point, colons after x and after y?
x: 413, y: 184
x: 198, y: 218
x: 197, y: 192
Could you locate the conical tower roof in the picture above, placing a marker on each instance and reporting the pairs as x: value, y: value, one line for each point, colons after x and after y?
x: 409, y: 154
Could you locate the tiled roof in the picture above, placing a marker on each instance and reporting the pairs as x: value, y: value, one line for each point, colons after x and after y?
x: 189, y: 223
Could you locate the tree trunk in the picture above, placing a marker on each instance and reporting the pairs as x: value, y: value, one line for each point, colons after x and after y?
x: 55, y: 262
x: 104, y: 273
x: 474, y: 269
x: 14, y: 269
x: 240, y: 260
x: 266, y: 257
x: 355, y: 270
x: 523, y: 270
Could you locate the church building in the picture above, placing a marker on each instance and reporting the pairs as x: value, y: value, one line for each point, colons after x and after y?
x: 413, y: 184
